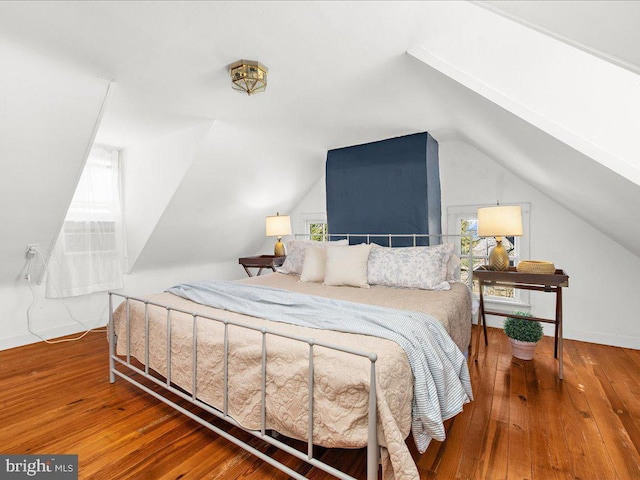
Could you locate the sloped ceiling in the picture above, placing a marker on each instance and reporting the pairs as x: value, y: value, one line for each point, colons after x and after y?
x: 586, y: 103
x: 608, y: 29
x: 339, y: 76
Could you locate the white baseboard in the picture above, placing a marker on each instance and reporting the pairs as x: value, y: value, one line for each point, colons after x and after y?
x: 61, y: 331
x: 602, y: 338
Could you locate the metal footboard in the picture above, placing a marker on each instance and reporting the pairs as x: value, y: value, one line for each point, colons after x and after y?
x: 127, y: 370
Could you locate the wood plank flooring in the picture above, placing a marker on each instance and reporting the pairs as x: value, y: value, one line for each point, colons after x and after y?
x: 523, y: 424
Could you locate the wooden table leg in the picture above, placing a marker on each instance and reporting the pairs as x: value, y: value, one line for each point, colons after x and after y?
x: 481, y: 321
x: 559, y: 338
x: 476, y: 348
x: 555, y: 343
x: 247, y: 270
x: 484, y: 319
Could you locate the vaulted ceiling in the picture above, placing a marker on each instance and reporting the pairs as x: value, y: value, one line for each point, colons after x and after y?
x: 339, y: 75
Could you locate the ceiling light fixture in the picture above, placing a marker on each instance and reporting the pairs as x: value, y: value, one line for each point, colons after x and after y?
x: 248, y: 76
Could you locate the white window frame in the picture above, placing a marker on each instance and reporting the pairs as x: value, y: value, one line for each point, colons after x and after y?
x: 522, y: 298
x: 307, y: 219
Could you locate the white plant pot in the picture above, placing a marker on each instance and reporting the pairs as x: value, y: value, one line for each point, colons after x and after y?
x: 523, y: 350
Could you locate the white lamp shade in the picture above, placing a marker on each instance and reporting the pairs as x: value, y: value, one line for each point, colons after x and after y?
x: 278, y: 225
x: 500, y: 221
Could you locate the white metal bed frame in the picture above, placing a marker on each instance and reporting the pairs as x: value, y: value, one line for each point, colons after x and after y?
x: 129, y: 370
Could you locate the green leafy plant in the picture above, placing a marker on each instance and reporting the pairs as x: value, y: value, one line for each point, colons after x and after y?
x: 521, y: 329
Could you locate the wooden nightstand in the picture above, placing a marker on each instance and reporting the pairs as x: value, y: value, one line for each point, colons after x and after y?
x: 541, y: 282
x: 260, y: 262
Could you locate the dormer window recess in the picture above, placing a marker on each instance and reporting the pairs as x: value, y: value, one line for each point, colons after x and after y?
x: 88, y: 256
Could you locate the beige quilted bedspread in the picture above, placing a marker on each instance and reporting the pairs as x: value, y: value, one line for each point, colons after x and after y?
x: 341, y: 381
x: 451, y: 307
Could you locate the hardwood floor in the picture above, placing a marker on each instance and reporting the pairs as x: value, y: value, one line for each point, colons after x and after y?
x: 523, y: 424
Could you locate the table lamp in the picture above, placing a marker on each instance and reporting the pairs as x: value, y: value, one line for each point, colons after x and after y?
x: 277, y: 226
x: 499, y: 221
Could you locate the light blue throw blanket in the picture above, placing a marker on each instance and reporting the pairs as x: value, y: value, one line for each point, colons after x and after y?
x: 441, y: 377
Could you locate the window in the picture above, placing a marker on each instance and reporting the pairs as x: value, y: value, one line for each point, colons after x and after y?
x: 318, y: 231
x: 315, y: 226
x: 89, y: 253
x: 462, y: 220
x: 90, y: 224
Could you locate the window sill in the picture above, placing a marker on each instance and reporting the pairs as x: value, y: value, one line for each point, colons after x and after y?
x: 505, y: 306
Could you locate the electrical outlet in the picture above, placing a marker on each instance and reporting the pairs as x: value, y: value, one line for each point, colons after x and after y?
x: 31, y: 250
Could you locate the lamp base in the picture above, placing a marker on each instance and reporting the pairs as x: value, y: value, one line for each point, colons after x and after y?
x: 279, y: 250
x: 499, y: 258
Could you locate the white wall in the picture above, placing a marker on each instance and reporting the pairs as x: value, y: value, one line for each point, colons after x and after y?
x: 314, y: 202
x: 51, y: 320
x: 152, y: 172
x: 602, y: 274
x: 49, y: 112
x: 597, y: 305
x: 603, y: 277
x: 241, y: 174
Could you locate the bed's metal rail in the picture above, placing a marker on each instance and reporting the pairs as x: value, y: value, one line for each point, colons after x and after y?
x: 418, y: 239
x: 127, y: 369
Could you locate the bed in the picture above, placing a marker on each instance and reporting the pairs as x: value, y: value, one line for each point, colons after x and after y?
x: 266, y: 375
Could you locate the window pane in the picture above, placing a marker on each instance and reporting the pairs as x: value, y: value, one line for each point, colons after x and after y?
x: 91, y: 224
x: 468, y: 226
x: 97, y: 195
x: 317, y: 231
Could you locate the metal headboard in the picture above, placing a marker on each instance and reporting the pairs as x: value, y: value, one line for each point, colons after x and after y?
x: 417, y: 239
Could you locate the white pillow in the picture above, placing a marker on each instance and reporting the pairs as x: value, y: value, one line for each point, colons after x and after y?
x: 410, y: 267
x: 347, y: 265
x: 295, y: 254
x: 313, y: 267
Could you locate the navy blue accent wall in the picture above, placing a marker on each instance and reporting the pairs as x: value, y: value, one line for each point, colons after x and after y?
x: 390, y: 186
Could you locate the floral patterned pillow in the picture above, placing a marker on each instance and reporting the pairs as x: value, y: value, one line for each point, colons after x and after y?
x: 295, y: 254
x: 410, y: 267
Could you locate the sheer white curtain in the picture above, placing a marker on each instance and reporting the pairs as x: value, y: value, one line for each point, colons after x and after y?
x: 88, y: 256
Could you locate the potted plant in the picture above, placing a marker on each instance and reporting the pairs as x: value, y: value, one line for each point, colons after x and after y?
x: 524, y: 335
